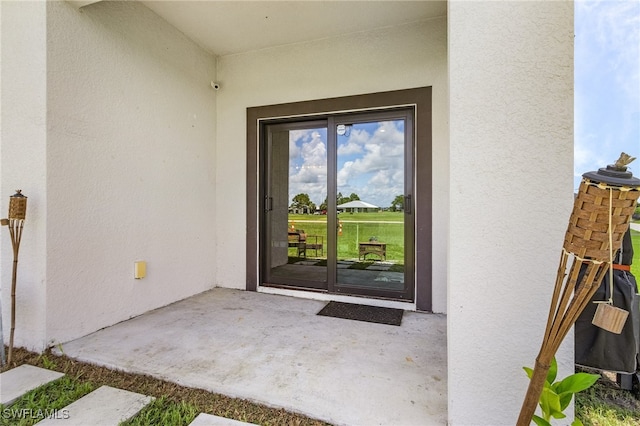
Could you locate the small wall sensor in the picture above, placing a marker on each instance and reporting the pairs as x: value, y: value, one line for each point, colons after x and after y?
x: 216, y: 86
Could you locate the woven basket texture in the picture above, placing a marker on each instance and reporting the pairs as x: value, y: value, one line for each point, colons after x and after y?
x: 17, y: 208
x: 588, y: 231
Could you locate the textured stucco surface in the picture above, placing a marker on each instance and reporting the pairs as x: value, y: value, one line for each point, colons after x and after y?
x: 390, y: 59
x: 511, y: 120
x: 108, y: 113
x: 23, y: 165
x: 131, y: 158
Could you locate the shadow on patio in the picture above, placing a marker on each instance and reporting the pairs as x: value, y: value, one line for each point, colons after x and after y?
x: 276, y: 351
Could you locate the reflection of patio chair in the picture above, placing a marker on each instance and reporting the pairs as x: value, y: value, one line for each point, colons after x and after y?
x: 298, y: 239
x: 315, y: 243
x: 304, y: 242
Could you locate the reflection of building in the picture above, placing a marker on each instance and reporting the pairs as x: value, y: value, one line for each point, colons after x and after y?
x: 358, y: 206
x: 301, y: 210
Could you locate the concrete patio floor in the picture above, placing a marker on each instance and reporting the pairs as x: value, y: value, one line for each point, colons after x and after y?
x: 275, y: 350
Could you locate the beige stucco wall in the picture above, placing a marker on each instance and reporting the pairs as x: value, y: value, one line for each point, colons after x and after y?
x: 23, y: 164
x: 511, y: 141
x: 125, y: 164
x: 137, y: 147
x: 395, y: 58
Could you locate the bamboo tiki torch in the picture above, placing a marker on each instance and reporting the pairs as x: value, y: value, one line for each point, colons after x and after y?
x: 15, y: 222
x: 601, y: 213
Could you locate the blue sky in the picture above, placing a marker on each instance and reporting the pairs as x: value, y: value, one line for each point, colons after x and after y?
x: 371, y: 161
x: 607, y: 84
x: 369, y: 164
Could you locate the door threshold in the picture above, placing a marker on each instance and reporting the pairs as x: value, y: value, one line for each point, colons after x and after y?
x: 328, y: 297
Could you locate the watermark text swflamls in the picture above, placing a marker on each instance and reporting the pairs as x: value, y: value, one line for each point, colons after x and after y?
x: 30, y: 413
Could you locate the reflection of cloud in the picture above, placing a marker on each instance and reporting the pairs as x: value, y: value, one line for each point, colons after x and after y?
x: 379, y: 169
x: 371, y: 163
x: 355, y: 143
x: 307, y: 164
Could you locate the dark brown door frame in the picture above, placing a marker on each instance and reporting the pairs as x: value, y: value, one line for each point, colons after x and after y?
x: 421, y: 99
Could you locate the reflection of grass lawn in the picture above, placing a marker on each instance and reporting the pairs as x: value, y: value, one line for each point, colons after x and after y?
x: 385, y: 227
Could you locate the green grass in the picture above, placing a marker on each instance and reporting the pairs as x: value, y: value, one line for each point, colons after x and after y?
x: 164, y: 412
x: 39, y: 403
x: 360, y: 217
x: 386, y: 227
x: 45, y: 400
x: 604, y: 405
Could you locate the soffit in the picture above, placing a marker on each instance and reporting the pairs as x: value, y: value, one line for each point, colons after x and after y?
x: 230, y: 27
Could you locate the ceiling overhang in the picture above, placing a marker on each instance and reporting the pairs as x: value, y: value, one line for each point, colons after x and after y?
x: 232, y: 27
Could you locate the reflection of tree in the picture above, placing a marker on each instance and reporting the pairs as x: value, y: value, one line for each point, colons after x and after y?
x: 303, y: 203
x: 340, y: 199
x: 397, y: 204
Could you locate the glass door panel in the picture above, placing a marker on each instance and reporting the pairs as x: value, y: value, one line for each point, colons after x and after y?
x: 296, y: 222
x: 371, y: 192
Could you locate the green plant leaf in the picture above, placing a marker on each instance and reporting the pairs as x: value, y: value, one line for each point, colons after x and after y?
x: 577, y: 422
x: 553, y: 371
x: 565, y: 399
x: 577, y: 382
x: 529, y: 372
x: 539, y: 421
x: 550, y: 403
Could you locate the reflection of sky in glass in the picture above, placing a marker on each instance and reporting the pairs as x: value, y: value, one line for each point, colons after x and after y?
x: 370, y: 162
x: 308, y: 164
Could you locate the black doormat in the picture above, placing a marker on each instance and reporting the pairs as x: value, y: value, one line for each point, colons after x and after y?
x: 366, y: 313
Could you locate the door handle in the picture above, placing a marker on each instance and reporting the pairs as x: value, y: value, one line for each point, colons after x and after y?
x: 268, y: 204
x: 407, y: 204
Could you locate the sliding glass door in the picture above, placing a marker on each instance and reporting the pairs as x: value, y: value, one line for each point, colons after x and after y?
x: 337, y: 208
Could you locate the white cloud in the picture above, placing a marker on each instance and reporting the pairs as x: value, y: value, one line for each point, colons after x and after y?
x: 379, y: 171
x: 357, y: 139
x: 374, y: 166
x: 308, y: 164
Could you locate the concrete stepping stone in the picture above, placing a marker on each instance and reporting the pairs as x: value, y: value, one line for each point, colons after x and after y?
x: 204, y: 419
x: 16, y: 382
x: 104, y: 406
